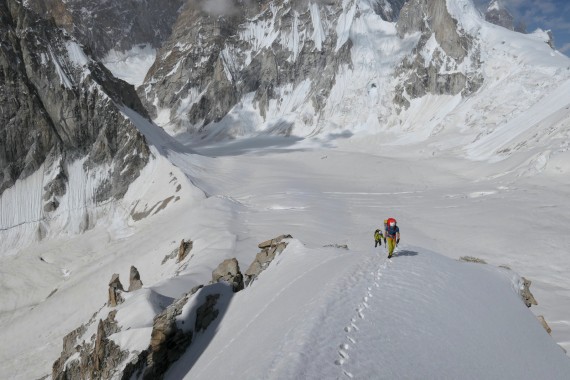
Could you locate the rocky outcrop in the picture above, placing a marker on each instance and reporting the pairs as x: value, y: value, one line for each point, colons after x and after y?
x: 173, y: 329
x: 471, y: 259
x: 58, y: 106
x: 451, y: 68
x: 96, y: 359
x: 70, y: 346
x: 229, y: 272
x: 544, y: 324
x: 497, y: 14
x: 526, y: 295
x: 135, y: 282
x: 115, y: 290
x: 269, y: 249
x: 184, y: 249
x: 168, y: 342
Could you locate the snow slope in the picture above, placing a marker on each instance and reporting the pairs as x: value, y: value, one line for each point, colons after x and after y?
x: 260, y: 188
x: 335, y: 313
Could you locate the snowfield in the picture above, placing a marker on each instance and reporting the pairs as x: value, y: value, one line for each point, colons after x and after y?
x: 300, y: 318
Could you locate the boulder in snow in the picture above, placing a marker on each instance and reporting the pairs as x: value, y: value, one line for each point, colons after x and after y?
x: 184, y: 249
x: 115, y: 290
x: 135, y: 282
x: 526, y: 295
x: 229, y: 271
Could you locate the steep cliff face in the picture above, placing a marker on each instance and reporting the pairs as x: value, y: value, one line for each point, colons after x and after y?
x: 254, y: 56
x: 112, y: 25
x: 59, y: 107
x: 446, y: 59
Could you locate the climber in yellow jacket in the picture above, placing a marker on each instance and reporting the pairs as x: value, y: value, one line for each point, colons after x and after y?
x: 378, y: 238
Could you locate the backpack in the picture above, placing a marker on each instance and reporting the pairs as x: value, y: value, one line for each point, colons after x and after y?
x: 391, y: 231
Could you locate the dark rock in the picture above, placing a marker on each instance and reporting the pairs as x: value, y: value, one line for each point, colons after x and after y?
x: 115, y: 290
x: 343, y: 246
x: 497, y: 14
x: 135, y: 282
x: 58, y: 108
x: 184, y: 249
x: 98, y: 359
x: 471, y: 259
x: 206, y: 313
x: 168, y: 342
x: 116, y: 25
x: 51, y: 206
x: 526, y: 295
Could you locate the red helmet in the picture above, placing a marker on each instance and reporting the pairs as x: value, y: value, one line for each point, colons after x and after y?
x: 391, y: 222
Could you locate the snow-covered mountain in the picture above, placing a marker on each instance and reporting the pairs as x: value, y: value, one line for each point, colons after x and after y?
x: 67, y: 145
x: 317, y: 119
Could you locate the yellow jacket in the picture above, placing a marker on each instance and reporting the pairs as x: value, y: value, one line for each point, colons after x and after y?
x: 378, y: 235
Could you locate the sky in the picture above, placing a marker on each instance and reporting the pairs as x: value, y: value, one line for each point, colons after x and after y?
x: 551, y: 15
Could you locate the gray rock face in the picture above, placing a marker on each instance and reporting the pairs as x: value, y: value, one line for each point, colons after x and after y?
x: 167, y: 342
x: 497, y: 14
x: 58, y: 105
x: 135, y: 282
x: 229, y: 272
x: 209, y: 63
x: 389, y: 10
x: 441, y: 74
x: 106, y: 25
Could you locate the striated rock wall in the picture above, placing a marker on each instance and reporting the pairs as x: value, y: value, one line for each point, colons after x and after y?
x: 58, y: 106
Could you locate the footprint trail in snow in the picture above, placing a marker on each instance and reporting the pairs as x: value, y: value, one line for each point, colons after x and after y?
x: 351, y: 330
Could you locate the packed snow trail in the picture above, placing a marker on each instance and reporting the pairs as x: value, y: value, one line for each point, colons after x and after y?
x: 327, y: 313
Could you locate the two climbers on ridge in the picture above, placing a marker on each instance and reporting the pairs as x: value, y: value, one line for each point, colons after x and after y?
x: 391, y: 236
